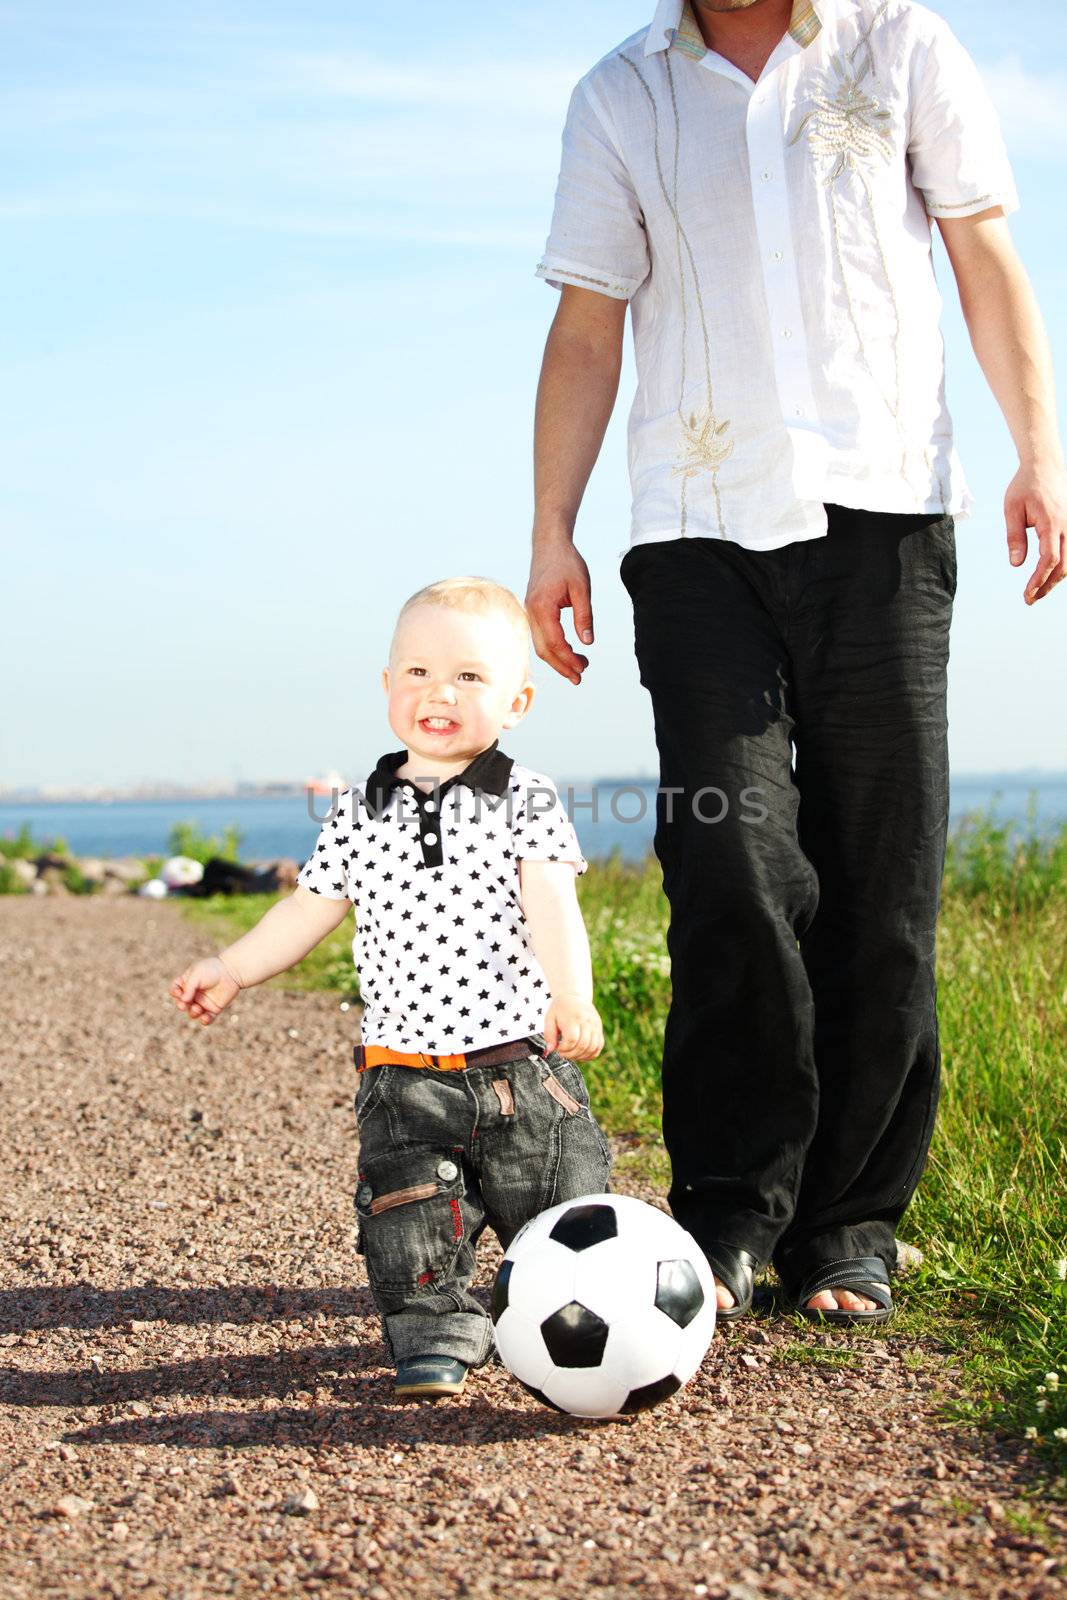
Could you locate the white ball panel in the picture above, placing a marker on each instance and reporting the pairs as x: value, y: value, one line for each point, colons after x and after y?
x: 585, y: 1391
x: 642, y: 1348
x: 522, y: 1349
x: 695, y: 1340
x: 542, y: 1279
x: 614, y: 1280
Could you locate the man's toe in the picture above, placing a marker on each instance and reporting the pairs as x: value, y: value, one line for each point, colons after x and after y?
x: 723, y: 1298
x: 824, y: 1301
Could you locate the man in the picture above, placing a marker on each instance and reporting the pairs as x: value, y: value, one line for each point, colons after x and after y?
x: 756, y: 179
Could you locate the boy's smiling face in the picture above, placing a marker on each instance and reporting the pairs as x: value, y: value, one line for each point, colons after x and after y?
x: 455, y: 679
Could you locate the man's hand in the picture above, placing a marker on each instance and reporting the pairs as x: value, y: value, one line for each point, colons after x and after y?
x: 1037, y: 498
x: 204, y: 989
x: 573, y: 1027
x: 559, y: 579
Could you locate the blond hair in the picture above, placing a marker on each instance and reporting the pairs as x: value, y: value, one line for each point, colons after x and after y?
x: 472, y: 594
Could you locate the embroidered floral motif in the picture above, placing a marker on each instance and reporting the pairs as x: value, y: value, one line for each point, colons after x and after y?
x: 845, y: 121
x: 705, y: 448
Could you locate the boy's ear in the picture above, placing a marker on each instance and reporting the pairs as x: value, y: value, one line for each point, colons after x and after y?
x: 385, y: 679
x: 521, y: 704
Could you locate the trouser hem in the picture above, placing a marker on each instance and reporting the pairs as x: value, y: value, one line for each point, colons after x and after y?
x: 796, y: 1258
x: 465, y: 1336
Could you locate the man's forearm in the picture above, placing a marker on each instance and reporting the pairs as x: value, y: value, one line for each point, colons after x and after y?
x: 579, y: 382
x: 1008, y: 336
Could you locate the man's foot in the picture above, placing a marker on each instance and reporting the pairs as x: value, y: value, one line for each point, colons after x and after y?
x: 429, y: 1377
x: 852, y: 1291
x: 734, y: 1272
x: 843, y: 1300
x: 828, y: 1300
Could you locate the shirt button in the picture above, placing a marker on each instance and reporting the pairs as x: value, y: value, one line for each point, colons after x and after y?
x: 766, y: 174
x: 777, y: 256
x: 787, y: 333
x: 799, y: 411
x: 430, y: 806
x: 430, y: 838
x: 447, y: 1171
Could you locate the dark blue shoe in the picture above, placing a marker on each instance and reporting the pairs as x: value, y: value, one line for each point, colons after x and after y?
x: 428, y: 1377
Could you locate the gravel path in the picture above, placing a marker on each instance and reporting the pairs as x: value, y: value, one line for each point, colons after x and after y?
x: 195, y: 1400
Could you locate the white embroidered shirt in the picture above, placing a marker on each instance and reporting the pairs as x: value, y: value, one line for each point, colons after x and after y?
x: 445, y: 961
x: 774, y: 242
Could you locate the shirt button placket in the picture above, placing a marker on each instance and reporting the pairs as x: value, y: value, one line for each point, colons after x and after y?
x: 429, y: 833
x: 770, y: 202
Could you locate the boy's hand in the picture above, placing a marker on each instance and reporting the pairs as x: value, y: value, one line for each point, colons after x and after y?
x: 204, y: 989
x: 573, y: 1027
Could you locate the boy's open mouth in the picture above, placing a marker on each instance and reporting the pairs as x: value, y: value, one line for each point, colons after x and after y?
x: 438, y: 725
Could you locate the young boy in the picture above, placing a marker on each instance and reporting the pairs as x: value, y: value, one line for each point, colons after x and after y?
x: 474, y: 967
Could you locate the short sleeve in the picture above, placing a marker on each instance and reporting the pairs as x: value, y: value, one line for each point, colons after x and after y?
x: 957, y: 153
x: 326, y: 870
x: 541, y: 828
x: 597, y: 239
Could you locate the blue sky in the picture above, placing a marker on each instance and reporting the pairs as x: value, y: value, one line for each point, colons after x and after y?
x: 270, y: 345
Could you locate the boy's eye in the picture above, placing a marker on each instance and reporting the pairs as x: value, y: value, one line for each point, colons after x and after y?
x: 475, y: 675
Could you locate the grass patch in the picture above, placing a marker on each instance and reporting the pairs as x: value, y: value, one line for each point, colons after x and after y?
x: 817, y: 1355
x: 991, y: 1213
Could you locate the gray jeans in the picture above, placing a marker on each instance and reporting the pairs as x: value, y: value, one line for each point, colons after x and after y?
x: 441, y: 1155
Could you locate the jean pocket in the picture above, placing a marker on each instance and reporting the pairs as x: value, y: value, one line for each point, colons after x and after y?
x: 410, y: 1215
x: 942, y: 538
x: 564, y: 1081
x: 368, y: 1092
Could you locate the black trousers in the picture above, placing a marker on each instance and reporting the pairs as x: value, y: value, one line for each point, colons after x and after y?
x: 801, y: 1059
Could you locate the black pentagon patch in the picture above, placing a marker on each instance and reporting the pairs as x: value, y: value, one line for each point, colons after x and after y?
x: 545, y: 1401
x: 575, y: 1336
x: 650, y: 1395
x: 583, y: 1226
x: 498, y: 1303
x: 678, y: 1292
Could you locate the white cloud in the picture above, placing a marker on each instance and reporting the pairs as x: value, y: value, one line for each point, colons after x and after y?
x: 1032, y: 107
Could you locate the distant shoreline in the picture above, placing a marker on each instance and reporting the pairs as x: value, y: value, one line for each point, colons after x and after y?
x: 1038, y: 777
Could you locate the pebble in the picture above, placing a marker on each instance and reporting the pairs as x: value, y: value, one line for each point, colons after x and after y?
x: 71, y: 1505
x: 301, y: 1503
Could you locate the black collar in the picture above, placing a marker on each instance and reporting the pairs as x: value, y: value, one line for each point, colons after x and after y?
x: 490, y: 771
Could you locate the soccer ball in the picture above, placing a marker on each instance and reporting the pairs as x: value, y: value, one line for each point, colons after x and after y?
x: 603, y: 1306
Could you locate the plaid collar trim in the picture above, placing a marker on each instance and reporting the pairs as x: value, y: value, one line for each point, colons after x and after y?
x: 490, y: 771
x: 805, y: 25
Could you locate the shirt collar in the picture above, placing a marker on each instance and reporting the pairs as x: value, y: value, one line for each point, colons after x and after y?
x: 490, y: 772
x: 675, y: 25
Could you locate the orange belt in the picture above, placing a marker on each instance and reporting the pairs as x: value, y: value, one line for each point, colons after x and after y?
x: 379, y: 1055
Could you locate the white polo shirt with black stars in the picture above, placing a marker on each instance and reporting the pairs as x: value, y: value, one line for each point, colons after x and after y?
x: 444, y: 957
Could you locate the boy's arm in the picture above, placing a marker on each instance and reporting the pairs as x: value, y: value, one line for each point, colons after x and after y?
x: 557, y: 932
x: 278, y: 941
x: 283, y: 936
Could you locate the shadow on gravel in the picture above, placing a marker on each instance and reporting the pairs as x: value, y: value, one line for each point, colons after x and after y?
x: 369, y: 1424
x: 279, y: 1374
x: 81, y: 1305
